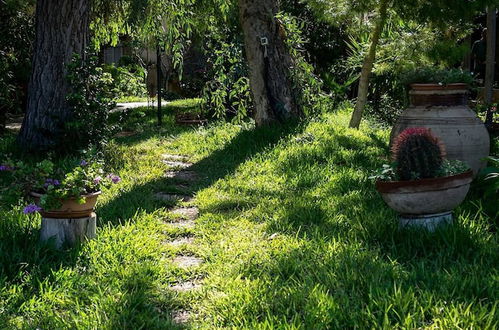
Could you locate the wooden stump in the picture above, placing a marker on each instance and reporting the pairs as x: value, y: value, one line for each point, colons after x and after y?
x: 68, y: 231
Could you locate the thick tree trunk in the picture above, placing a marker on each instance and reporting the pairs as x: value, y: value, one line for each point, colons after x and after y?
x: 270, y: 64
x: 490, y: 66
x: 368, y: 66
x: 62, y: 29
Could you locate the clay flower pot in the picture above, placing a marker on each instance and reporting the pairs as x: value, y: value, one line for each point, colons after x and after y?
x: 426, y: 202
x: 70, y: 208
x: 444, y: 109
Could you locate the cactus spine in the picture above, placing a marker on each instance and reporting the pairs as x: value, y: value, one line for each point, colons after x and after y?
x: 418, y: 154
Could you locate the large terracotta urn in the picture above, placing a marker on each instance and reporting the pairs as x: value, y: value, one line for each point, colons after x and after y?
x: 444, y: 109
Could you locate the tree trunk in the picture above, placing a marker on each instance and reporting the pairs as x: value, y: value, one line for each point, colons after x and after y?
x: 271, y: 87
x: 490, y: 64
x: 62, y: 29
x: 368, y: 66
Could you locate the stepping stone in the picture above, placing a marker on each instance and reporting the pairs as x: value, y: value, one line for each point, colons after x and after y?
x: 188, y: 213
x: 172, y: 198
x: 182, y: 241
x: 185, y: 286
x: 184, y: 224
x: 182, y: 175
x: 181, y: 316
x: 178, y: 158
x: 176, y: 164
x: 188, y: 261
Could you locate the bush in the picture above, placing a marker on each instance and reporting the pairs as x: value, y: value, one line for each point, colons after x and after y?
x: 91, y: 100
x: 128, y: 80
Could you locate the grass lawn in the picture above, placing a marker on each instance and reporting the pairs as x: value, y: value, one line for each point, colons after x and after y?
x: 292, y: 232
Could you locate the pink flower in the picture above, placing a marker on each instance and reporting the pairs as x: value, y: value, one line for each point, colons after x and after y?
x: 97, y: 180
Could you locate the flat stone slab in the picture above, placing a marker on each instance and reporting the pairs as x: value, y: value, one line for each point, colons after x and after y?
x: 182, y: 241
x: 184, y: 224
x: 171, y: 157
x: 176, y: 164
x: 173, y: 198
x: 188, y: 213
x: 185, y: 286
x: 182, y: 175
x: 188, y: 261
x: 181, y: 316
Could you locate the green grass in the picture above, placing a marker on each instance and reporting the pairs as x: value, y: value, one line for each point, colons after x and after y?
x: 292, y: 230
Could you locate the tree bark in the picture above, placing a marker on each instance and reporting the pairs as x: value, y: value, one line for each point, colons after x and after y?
x: 62, y: 30
x: 270, y: 65
x: 490, y: 64
x: 368, y: 66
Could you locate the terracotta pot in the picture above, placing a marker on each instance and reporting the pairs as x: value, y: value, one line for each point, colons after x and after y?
x: 426, y: 196
x: 70, y: 208
x: 445, y: 110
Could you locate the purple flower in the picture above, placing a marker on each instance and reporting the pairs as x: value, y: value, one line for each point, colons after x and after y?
x: 83, y: 163
x: 32, y: 208
x: 51, y: 182
x: 97, y: 180
x: 5, y: 168
x: 114, y: 178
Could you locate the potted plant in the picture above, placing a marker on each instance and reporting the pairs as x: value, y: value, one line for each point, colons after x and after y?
x: 439, y: 101
x: 70, y: 195
x: 422, y: 185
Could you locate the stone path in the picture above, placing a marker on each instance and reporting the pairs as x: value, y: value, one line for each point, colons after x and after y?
x: 182, y: 217
x: 133, y: 105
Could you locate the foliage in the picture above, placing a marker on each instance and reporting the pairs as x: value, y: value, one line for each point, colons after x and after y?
x: 307, y: 85
x: 16, y: 39
x: 227, y: 94
x: 90, y: 99
x: 128, y: 81
x: 489, y: 185
x: 54, y: 184
x: 418, y: 154
x: 434, y: 75
x: 416, y: 34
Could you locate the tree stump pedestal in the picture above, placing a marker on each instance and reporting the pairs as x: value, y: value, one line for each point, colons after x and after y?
x: 68, y: 231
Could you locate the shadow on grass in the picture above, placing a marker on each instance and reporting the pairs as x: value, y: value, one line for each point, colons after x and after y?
x: 219, y: 164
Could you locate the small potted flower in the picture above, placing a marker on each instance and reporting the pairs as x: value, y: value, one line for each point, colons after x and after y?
x: 421, y: 185
x: 69, y: 196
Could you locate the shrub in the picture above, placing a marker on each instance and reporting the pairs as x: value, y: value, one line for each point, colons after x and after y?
x: 91, y: 100
x: 431, y: 75
x: 128, y: 80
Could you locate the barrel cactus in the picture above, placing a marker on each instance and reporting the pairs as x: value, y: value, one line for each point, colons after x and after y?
x: 418, y: 154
